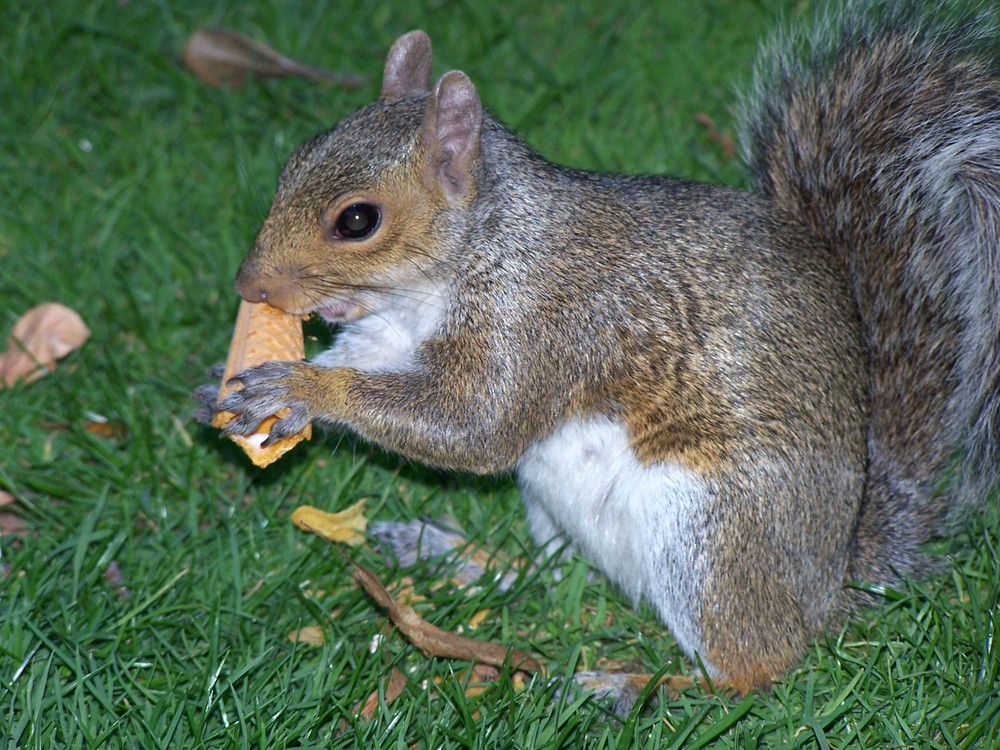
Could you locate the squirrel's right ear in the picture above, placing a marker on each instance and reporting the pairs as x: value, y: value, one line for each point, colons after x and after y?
x: 408, y: 66
x: 453, y: 120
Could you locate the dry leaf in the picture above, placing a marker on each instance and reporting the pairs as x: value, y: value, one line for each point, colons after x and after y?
x: 104, y: 429
x: 254, y: 588
x: 311, y: 635
x: 625, y: 688
x: 348, y: 526
x: 11, y: 523
x: 485, y: 673
x: 6, y: 498
x: 98, y: 426
x: 481, y: 677
x: 41, y: 336
x: 406, y: 592
x: 434, y: 641
x: 724, y: 141
x: 224, y: 58
x: 477, y: 619
x: 393, y: 689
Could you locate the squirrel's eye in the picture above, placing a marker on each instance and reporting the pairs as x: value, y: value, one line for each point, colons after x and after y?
x: 357, y: 221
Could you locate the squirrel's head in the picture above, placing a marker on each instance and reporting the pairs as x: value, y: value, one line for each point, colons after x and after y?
x: 362, y: 208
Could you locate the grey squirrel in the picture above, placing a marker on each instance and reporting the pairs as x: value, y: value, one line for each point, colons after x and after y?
x: 734, y: 403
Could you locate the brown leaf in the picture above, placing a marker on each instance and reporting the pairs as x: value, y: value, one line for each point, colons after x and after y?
x: 724, y: 141
x: 393, y: 689
x: 224, y: 58
x: 41, y: 336
x: 480, y: 677
x: 434, y: 641
x: 102, y: 428
x: 98, y: 426
x: 6, y: 498
x: 11, y: 523
x: 626, y: 687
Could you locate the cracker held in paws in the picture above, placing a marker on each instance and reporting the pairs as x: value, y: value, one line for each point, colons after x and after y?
x: 262, y: 334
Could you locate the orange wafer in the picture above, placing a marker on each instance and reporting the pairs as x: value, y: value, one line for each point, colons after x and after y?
x: 262, y: 334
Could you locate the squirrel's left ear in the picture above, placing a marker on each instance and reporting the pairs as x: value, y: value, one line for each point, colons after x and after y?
x: 408, y: 66
x: 450, y: 132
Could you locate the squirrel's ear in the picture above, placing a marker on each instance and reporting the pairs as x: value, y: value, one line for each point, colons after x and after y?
x: 450, y: 131
x: 408, y: 66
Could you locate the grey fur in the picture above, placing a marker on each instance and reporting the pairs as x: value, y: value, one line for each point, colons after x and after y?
x: 896, y: 163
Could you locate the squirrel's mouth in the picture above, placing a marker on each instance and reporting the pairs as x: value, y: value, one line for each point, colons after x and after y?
x: 339, y: 311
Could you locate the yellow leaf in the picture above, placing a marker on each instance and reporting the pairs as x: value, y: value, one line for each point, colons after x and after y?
x: 477, y: 619
x: 311, y: 635
x: 348, y: 526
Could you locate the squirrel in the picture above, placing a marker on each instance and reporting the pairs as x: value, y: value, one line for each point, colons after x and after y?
x: 736, y: 404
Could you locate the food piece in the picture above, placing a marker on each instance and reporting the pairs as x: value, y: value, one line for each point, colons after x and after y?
x: 348, y: 526
x: 262, y: 334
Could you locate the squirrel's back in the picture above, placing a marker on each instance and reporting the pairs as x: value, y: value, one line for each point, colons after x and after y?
x: 882, y: 133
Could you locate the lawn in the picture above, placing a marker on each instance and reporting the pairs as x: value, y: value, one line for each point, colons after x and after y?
x: 149, y: 598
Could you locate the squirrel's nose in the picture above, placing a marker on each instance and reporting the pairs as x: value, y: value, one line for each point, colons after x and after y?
x: 251, y: 293
x: 275, y: 289
x: 248, y: 285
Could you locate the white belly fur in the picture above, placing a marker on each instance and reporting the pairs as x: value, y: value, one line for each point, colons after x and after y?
x: 638, y: 523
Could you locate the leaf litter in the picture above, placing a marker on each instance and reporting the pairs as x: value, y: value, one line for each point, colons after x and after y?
x: 224, y: 58
x: 42, y: 336
x: 348, y: 527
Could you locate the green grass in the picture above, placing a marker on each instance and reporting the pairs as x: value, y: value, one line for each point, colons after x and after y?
x: 129, y: 191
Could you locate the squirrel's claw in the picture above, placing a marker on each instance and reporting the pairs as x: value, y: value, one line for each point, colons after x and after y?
x: 266, y: 390
x: 206, y: 396
x: 297, y: 419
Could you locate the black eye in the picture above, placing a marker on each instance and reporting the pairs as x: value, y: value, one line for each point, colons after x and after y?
x: 357, y: 221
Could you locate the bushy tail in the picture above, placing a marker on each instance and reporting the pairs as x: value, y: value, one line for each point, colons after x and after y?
x: 881, y: 131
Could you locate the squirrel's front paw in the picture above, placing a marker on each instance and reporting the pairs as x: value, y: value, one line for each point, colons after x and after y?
x: 267, y: 390
x: 206, y: 396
